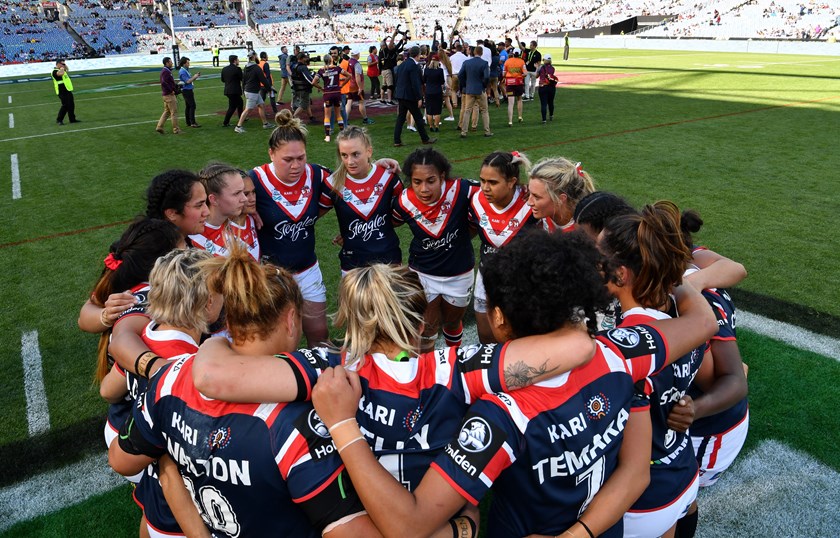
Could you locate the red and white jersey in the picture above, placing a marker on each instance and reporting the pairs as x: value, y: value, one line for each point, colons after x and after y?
x: 550, y: 226
x: 496, y: 227
x: 212, y: 239
x: 168, y: 343
x: 247, y: 233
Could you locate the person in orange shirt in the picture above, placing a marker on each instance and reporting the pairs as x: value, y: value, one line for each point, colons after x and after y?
x: 514, y: 77
x: 267, y: 91
x: 353, y: 88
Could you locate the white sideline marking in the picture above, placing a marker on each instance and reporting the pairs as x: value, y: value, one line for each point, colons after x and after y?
x: 54, y: 490
x: 11, y: 121
x: 773, y: 491
x: 790, y: 334
x: 10, y: 99
x: 15, y: 177
x: 37, y: 410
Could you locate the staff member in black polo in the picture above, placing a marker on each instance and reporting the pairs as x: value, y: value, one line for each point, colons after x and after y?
x: 409, y: 91
x: 232, y: 79
x: 64, y: 90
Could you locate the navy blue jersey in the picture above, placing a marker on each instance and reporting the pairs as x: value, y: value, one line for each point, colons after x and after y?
x: 673, y: 466
x: 289, y: 213
x: 118, y: 413
x: 548, y: 448
x: 364, y: 207
x: 497, y: 227
x: 718, y: 423
x: 409, y: 410
x: 247, y: 466
x: 441, y: 243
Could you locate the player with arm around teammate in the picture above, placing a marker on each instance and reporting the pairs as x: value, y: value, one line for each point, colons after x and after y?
x: 252, y: 469
x: 540, y: 463
x: 644, y: 257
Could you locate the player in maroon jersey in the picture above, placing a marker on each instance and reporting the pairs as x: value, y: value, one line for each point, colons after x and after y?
x: 331, y: 75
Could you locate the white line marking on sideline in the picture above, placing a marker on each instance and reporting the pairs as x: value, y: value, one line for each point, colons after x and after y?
x: 64, y: 132
x: 11, y: 121
x: 790, y: 334
x: 57, y: 489
x: 15, y: 177
x: 10, y: 99
x: 37, y: 410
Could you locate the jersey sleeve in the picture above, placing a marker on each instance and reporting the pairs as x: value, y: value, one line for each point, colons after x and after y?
x: 481, y: 368
x: 139, y: 307
x: 724, y: 311
x: 326, y: 200
x: 487, y: 444
x: 140, y: 434
x: 313, y: 471
x: 307, y: 365
x: 642, y: 347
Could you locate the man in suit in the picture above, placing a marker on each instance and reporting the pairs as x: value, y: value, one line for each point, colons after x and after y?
x: 409, y: 91
x: 473, y: 78
x: 232, y: 79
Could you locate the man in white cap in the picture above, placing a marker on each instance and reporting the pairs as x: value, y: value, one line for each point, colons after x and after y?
x: 354, y: 87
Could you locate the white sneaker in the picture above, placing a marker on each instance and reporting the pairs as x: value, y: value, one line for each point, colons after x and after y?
x: 412, y: 128
x: 450, y: 118
x: 267, y: 125
x: 238, y: 129
x: 327, y: 138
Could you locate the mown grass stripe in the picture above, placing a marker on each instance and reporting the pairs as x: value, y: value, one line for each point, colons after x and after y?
x: 790, y: 334
x: 37, y: 409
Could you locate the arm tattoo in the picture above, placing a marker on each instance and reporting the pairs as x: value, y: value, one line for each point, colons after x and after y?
x: 520, y: 374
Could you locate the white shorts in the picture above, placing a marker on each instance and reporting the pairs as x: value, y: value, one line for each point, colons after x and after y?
x: 719, y: 451
x: 311, y: 284
x: 480, y: 302
x: 110, y: 436
x: 654, y: 523
x: 154, y: 533
x: 253, y: 100
x: 455, y: 290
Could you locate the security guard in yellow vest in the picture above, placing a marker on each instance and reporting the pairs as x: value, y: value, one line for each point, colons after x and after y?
x: 215, y: 50
x: 64, y: 90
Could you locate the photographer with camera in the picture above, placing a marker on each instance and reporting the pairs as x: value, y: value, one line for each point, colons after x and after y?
x: 388, y: 53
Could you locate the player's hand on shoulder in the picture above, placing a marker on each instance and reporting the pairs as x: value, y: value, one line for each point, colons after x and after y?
x: 336, y: 395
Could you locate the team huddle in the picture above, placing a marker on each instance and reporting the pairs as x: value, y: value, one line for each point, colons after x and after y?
x: 606, y: 389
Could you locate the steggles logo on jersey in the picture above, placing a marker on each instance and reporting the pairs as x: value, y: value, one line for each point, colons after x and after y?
x: 624, y: 337
x: 366, y: 229
x: 317, y: 425
x: 219, y: 438
x: 598, y: 406
x: 475, y: 435
x: 293, y: 229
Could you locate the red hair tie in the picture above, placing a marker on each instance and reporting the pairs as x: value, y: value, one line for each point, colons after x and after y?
x: 111, y: 262
x: 579, y: 169
x: 515, y: 154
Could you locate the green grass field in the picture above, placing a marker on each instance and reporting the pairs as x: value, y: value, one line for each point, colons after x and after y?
x: 748, y: 140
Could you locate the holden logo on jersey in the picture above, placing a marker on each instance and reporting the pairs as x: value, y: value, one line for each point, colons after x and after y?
x: 317, y: 425
x: 219, y: 438
x: 475, y: 435
x: 624, y: 337
x: 598, y: 406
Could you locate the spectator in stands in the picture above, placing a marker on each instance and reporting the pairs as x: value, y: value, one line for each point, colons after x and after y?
x: 473, y: 78
x: 232, y: 79
x: 186, y: 80
x: 283, y: 64
x: 170, y: 101
x: 408, y: 90
x: 64, y: 89
x: 373, y: 72
x: 253, y: 78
